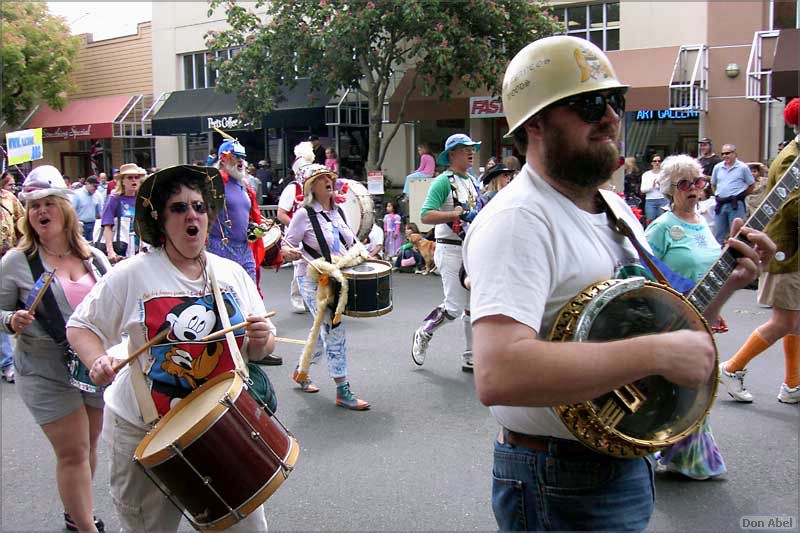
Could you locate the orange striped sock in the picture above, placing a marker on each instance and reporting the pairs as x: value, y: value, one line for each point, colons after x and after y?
x: 751, y: 348
x: 791, y: 351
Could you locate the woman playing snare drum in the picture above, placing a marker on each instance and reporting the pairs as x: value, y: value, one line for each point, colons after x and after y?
x: 168, y: 288
x: 71, y: 418
x: 318, y: 186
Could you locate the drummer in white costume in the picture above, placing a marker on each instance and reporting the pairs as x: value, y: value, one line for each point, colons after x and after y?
x: 168, y: 288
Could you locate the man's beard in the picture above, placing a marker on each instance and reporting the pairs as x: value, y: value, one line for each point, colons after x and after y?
x: 579, y: 167
x: 233, y: 171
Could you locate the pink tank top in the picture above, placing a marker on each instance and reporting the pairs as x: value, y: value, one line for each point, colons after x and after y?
x: 76, y: 291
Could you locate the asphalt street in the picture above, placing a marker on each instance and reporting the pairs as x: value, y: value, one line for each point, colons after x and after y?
x: 420, y: 459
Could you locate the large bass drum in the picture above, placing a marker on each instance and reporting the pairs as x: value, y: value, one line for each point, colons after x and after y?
x: 218, y: 454
x: 651, y: 413
x: 358, y: 207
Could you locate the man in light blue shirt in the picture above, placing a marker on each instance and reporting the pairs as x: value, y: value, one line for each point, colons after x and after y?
x: 88, y: 202
x: 732, y: 181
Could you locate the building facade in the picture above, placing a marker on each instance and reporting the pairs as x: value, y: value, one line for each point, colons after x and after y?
x: 105, y: 122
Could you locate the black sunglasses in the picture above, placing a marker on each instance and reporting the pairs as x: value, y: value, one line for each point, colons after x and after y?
x: 180, y: 208
x: 726, y: 153
x: 591, y: 108
x: 685, y: 185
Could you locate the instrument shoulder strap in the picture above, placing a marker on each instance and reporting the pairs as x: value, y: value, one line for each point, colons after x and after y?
x: 323, y: 244
x: 50, y: 317
x: 622, y: 227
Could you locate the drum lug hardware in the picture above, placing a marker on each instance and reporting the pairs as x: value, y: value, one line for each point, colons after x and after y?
x: 255, y: 435
x: 206, y: 480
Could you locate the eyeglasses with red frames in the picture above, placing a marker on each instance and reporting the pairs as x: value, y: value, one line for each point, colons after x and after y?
x: 180, y: 208
x: 697, y: 183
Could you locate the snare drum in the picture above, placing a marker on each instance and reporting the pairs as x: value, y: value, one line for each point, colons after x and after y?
x: 358, y: 207
x: 272, y: 241
x: 369, y: 288
x: 218, y: 454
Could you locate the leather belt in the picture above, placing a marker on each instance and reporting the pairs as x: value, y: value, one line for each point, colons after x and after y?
x: 448, y: 241
x: 558, y: 447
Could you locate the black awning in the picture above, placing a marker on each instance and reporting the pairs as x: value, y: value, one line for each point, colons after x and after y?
x: 186, y: 111
x: 786, y: 67
x: 196, y: 111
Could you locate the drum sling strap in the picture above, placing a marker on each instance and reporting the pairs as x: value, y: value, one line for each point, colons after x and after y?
x: 326, y: 252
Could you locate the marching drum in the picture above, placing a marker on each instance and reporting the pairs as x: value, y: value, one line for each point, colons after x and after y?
x: 218, y: 454
x: 358, y: 207
x: 369, y: 288
x: 272, y: 241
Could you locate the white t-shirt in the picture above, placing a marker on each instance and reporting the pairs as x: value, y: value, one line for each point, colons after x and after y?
x: 650, y: 186
x: 146, y: 292
x: 375, y: 238
x: 288, y: 196
x: 529, y: 252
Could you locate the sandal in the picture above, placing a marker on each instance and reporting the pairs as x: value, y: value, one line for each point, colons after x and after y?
x: 72, y: 526
x: 306, y: 385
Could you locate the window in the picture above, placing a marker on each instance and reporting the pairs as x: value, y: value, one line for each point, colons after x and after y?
x: 785, y: 14
x: 598, y: 23
x: 139, y: 150
x: 197, y: 73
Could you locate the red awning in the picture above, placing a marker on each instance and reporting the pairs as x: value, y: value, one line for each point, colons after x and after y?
x: 88, y: 118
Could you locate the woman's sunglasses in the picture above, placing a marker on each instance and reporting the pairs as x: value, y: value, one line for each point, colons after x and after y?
x: 591, y: 108
x: 180, y: 208
x: 697, y: 183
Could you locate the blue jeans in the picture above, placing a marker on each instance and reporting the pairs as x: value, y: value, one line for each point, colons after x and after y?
x: 542, y: 491
x: 414, y: 176
x: 88, y: 231
x: 652, y: 208
x: 724, y: 219
x: 331, y: 340
x: 6, y: 353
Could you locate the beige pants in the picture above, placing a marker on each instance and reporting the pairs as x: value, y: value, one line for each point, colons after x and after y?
x: 141, y: 506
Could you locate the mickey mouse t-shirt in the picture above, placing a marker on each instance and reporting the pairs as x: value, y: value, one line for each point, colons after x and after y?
x: 147, y: 294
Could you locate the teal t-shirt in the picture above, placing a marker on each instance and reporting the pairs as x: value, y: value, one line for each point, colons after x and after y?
x: 688, y: 249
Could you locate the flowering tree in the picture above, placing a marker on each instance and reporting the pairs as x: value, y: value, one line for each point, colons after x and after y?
x: 38, y: 56
x: 359, y: 45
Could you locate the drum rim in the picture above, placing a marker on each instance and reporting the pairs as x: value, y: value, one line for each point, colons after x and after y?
x: 367, y: 275
x: 580, y: 330
x: 275, y: 241
x: 368, y: 314
x: 198, y: 428
x: 263, y: 494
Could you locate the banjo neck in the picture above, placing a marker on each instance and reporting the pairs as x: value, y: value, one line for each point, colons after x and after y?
x: 715, y: 277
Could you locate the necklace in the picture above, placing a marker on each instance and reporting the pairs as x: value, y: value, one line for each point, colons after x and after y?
x: 58, y: 256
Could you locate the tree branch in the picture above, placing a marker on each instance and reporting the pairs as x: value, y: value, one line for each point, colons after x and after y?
x: 400, y: 115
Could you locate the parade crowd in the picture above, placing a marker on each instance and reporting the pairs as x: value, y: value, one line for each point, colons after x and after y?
x: 170, y: 259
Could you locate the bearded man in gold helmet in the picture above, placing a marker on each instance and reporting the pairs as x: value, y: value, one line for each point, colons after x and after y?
x: 529, y: 252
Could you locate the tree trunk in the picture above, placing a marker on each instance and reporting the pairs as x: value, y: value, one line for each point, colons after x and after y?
x: 375, y: 127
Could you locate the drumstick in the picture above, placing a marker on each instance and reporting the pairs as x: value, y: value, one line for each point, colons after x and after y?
x: 302, y: 255
x: 48, y: 279
x: 223, y: 332
x: 155, y: 340
x: 290, y: 341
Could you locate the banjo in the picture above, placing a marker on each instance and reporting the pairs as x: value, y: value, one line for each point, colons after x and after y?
x: 651, y: 413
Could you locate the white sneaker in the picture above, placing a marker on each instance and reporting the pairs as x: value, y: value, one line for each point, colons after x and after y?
x: 466, y: 362
x: 734, y: 382
x: 788, y: 395
x: 8, y: 374
x: 420, y: 346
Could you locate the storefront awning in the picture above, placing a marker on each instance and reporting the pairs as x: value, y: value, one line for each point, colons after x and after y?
x: 786, y: 66
x: 200, y: 110
x: 650, y: 84
x: 87, y: 118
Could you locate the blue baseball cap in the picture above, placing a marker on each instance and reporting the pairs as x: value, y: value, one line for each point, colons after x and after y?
x: 455, y: 140
x: 233, y: 147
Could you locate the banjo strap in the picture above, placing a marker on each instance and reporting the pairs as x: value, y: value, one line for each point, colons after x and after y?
x: 623, y: 228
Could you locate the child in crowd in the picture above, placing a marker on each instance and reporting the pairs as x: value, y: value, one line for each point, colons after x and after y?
x: 393, y: 239
x: 408, y: 259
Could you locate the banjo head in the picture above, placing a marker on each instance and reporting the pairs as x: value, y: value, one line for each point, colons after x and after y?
x: 652, y: 412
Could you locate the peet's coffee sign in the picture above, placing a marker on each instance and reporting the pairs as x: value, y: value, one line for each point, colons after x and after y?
x: 84, y: 131
x: 224, y: 122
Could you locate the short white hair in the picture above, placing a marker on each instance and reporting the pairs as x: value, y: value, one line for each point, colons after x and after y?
x: 674, y: 166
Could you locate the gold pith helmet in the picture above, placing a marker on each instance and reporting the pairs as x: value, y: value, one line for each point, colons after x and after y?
x: 146, y: 217
x: 550, y: 69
